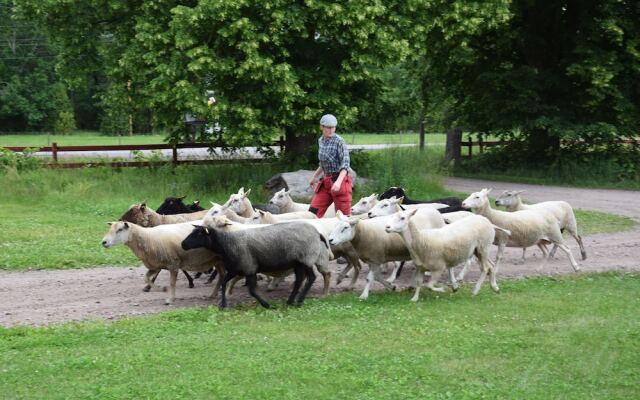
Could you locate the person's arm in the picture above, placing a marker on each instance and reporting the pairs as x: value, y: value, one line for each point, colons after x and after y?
x: 315, y: 175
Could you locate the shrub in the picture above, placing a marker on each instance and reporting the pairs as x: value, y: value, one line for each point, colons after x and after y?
x: 18, y: 161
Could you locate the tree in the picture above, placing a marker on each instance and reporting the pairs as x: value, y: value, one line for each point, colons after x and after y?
x: 550, y: 70
x: 31, y: 95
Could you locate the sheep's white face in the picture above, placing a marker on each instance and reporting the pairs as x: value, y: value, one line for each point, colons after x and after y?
x: 344, y: 231
x: 477, y: 199
x: 236, y: 201
x: 255, y: 218
x: 219, y: 222
x: 364, y: 205
x: 215, y: 210
x: 399, y: 221
x: 281, y: 198
x: 508, y: 198
x: 385, y: 207
x: 118, y: 233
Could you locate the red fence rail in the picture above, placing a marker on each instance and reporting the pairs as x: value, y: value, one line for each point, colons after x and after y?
x: 54, y: 149
x: 482, y: 144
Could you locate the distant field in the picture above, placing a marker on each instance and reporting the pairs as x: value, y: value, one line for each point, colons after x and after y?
x: 95, y: 139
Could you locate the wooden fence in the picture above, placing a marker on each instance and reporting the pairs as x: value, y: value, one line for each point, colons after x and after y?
x: 54, y: 149
x: 469, y: 144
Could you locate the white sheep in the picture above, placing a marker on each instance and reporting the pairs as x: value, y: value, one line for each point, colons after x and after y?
x: 240, y: 203
x: 285, y: 203
x: 527, y: 227
x: 159, y: 247
x: 364, y: 205
x: 392, y: 205
x: 374, y: 246
x: 510, y: 199
x: 443, y: 248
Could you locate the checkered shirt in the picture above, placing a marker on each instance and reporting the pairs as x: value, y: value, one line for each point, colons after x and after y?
x: 333, y: 154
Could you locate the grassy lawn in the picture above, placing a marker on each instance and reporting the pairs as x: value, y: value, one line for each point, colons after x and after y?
x: 83, y: 138
x: 539, y: 338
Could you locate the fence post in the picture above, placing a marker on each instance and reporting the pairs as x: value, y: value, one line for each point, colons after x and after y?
x: 54, y: 152
x: 174, y: 149
x: 422, y: 135
x: 481, y: 143
x: 470, y: 147
x: 281, y: 144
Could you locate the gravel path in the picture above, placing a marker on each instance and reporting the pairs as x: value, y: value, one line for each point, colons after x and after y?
x: 45, y: 297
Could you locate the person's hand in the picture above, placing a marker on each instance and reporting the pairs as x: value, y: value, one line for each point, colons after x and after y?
x: 336, y: 186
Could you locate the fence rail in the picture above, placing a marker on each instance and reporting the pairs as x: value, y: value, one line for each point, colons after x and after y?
x: 482, y: 144
x: 54, y: 149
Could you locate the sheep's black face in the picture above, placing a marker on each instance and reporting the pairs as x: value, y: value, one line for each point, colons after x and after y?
x: 392, y: 191
x: 198, y: 238
x: 172, y: 205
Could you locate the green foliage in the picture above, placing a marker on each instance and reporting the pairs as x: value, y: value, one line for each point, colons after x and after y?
x: 18, y: 161
x: 581, y: 164
x: 539, y: 338
x: 64, y: 124
x: 543, y: 71
x: 31, y: 95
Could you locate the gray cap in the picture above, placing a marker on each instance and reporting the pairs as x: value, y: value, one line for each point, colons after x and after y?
x: 329, y: 120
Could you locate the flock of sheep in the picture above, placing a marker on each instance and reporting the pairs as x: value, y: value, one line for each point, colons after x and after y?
x: 240, y: 240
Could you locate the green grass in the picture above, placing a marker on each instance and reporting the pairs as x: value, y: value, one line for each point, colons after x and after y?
x: 89, y: 138
x: 56, y: 219
x: 80, y: 138
x: 573, y: 337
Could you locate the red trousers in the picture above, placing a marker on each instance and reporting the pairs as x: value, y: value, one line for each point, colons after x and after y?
x: 324, y: 197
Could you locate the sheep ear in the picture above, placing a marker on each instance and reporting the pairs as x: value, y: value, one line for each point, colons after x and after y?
x: 109, y: 223
x: 341, y: 216
x: 126, y: 225
x: 143, y: 205
x: 206, y: 230
x: 520, y: 191
x: 262, y: 213
x: 196, y: 202
x: 288, y: 191
x: 182, y: 197
x: 241, y: 190
x: 412, y: 212
x: 353, y: 221
x: 489, y: 190
x: 247, y: 193
x: 400, y: 200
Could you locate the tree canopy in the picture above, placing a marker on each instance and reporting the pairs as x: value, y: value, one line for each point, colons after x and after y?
x: 562, y: 69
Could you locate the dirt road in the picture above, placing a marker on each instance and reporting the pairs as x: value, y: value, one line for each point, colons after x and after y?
x: 45, y: 297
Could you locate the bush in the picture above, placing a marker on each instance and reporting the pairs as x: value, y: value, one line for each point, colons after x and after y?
x: 65, y: 123
x: 18, y: 161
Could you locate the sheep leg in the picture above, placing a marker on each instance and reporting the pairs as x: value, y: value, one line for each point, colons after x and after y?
x: 583, y: 252
x: 311, y: 277
x: 452, y: 278
x: 326, y: 277
x: 374, y: 274
x: 418, y: 278
x: 149, y: 280
x: 501, y: 247
x: 186, y: 274
x: 221, y: 275
x: 433, y: 279
x: 353, y: 259
x: 566, y: 249
x: 300, y: 273
x: 214, y: 272
x: 344, y: 273
x: 252, y: 281
x: 463, y: 272
x: 396, y: 272
x: 232, y: 284
x: 485, y: 268
x: 172, y: 286
x: 223, y: 298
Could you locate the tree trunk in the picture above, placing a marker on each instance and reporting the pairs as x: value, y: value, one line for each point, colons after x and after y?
x: 297, y: 145
x: 452, y: 149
